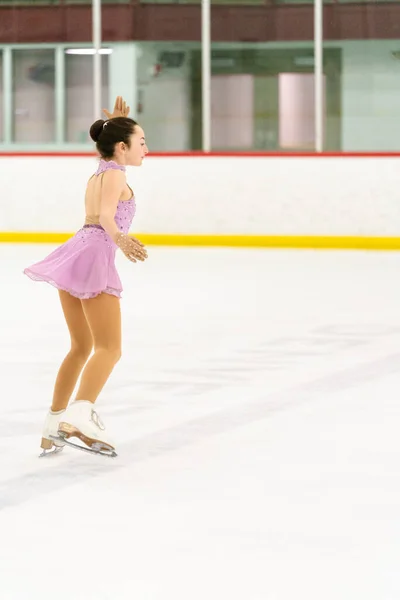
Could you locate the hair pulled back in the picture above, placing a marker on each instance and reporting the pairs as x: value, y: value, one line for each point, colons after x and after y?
x: 108, y: 133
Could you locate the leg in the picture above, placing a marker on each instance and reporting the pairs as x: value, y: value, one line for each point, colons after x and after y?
x: 80, y: 420
x: 104, y: 318
x: 68, y: 374
x: 81, y: 347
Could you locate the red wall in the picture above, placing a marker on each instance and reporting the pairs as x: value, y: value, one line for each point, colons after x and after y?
x: 135, y: 21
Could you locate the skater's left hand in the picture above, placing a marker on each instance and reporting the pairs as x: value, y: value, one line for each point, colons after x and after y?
x: 120, y: 109
x: 131, y: 247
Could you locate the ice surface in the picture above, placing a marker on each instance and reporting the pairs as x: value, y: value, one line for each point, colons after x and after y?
x: 257, y: 414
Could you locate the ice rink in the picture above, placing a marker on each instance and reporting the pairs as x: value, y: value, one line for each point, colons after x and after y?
x: 256, y: 410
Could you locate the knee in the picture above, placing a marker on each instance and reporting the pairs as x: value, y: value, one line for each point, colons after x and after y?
x: 116, y: 354
x: 113, y: 352
x: 81, y: 351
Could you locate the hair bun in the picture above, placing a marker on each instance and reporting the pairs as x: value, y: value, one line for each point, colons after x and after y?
x: 96, y: 129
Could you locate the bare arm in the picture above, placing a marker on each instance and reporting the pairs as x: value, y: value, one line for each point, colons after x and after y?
x: 112, y: 188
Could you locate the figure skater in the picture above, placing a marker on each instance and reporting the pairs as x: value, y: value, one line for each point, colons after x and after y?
x: 83, y: 270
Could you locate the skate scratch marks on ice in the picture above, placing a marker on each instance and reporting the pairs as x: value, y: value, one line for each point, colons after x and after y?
x: 21, y: 489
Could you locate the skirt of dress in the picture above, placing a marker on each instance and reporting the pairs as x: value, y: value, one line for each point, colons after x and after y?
x: 84, y: 266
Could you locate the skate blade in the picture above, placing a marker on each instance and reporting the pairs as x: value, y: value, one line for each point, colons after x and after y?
x: 54, y: 450
x: 66, y: 431
x: 48, y: 447
x: 98, y: 448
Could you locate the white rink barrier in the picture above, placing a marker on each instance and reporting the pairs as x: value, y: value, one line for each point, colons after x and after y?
x: 265, y: 200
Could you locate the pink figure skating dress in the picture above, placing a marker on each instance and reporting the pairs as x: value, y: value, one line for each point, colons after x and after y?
x: 84, y: 266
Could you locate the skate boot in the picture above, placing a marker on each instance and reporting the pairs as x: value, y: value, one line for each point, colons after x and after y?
x: 50, y: 428
x: 82, y: 423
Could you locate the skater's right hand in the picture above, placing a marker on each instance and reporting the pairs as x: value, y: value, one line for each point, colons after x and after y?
x: 120, y: 109
x: 131, y: 247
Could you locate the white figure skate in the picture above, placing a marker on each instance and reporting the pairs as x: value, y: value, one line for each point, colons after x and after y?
x: 50, y: 429
x: 82, y: 422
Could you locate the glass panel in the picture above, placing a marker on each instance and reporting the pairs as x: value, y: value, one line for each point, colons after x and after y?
x: 297, y: 110
x: 79, y: 95
x: 34, y: 95
x: 165, y: 84
x: 365, y: 85
x: 1, y: 96
x: 262, y: 97
x: 232, y: 101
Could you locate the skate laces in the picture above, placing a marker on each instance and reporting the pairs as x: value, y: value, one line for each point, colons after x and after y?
x: 97, y: 421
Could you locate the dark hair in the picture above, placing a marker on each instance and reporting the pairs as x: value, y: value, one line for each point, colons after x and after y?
x: 108, y: 133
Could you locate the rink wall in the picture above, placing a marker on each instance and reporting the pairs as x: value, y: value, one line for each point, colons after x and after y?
x: 331, y: 201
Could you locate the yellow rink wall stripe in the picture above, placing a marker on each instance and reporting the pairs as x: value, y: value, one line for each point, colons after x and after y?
x: 244, y: 241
